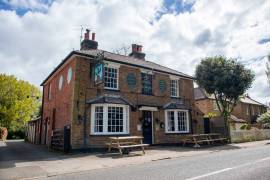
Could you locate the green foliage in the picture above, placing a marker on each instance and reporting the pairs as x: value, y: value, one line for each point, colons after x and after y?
x: 245, y: 127
x: 226, y: 79
x: 18, y: 102
x: 16, y: 134
x: 264, y: 119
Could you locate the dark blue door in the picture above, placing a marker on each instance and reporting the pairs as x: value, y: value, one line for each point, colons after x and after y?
x: 147, y: 127
x: 206, y: 125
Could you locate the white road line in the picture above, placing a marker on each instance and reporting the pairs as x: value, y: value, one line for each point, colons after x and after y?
x: 227, y: 169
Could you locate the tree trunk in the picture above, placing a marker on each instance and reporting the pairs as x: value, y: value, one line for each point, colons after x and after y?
x: 227, y: 126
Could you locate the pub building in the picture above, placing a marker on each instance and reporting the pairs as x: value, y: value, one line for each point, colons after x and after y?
x: 94, y: 94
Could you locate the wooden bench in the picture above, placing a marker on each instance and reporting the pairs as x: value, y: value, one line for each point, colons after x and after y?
x: 201, y: 138
x: 124, y: 144
x: 195, y: 139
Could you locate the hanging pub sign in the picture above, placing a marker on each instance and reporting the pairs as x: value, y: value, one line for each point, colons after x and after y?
x: 99, y: 68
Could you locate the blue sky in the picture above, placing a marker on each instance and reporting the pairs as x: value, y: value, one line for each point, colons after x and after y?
x: 174, y: 33
x: 25, y: 6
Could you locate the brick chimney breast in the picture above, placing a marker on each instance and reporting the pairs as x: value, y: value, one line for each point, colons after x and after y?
x: 137, y: 52
x: 89, y: 44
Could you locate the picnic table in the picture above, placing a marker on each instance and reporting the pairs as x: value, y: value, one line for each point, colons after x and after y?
x: 125, y: 143
x: 202, y: 138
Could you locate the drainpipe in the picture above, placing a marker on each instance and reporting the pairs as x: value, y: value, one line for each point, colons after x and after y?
x: 41, y: 120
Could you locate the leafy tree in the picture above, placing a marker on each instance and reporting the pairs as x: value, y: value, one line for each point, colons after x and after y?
x: 268, y: 69
x: 264, y: 119
x: 19, y: 102
x: 226, y: 79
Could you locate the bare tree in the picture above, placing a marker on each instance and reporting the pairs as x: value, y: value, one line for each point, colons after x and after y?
x: 124, y: 50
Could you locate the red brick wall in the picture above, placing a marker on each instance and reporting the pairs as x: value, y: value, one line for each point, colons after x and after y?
x: 61, y: 100
x: 85, y: 90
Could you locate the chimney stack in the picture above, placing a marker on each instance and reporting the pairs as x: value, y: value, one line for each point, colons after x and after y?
x: 137, y: 52
x: 89, y: 44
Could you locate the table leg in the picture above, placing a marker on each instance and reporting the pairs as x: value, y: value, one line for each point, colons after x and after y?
x: 110, y: 147
x: 184, y: 141
x: 208, y: 139
x: 142, y: 146
x: 196, y: 145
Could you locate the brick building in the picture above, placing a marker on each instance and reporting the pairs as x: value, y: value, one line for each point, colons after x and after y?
x: 97, y: 94
x: 247, y: 110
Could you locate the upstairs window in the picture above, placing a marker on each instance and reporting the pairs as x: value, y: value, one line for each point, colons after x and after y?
x: 177, y: 121
x: 110, y: 78
x: 50, y: 92
x: 174, y: 88
x: 146, y: 84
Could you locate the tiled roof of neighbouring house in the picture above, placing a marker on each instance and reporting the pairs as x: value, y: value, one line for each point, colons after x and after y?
x: 134, y: 61
x: 199, y: 93
x: 237, y: 120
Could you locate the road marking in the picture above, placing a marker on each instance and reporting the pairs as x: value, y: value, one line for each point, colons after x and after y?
x: 227, y: 169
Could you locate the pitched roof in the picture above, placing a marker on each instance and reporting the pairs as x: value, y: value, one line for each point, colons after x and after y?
x: 199, y: 93
x: 120, y: 59
x: 133, y: 61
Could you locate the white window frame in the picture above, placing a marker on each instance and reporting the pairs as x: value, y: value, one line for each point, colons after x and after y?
x: 174, y: 78
x: 113, y: 66
x: 176, y: 121
x: 105, y: 119
x: 176, y: 88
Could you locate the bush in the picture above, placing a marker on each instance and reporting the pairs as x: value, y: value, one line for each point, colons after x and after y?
x: 264, y: 119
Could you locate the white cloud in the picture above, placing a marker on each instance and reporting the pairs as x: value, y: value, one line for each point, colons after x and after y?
x: 32, y: 44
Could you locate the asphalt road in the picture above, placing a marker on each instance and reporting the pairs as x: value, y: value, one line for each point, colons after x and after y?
x: 239, y: 164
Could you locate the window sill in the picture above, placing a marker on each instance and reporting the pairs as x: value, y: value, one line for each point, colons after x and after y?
x: 107, y: 135
x: 109, y: 89
x: 167, y: 133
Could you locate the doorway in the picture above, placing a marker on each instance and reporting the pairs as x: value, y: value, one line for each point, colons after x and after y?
x: 147, y: 127
x: 206, y: 123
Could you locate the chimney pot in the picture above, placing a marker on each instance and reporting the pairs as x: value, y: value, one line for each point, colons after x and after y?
x: 93, y: 36
x: 86, y: 34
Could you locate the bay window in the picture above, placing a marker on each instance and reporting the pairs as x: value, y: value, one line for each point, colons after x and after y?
x: 177, y: 121
x: 109, y: 119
